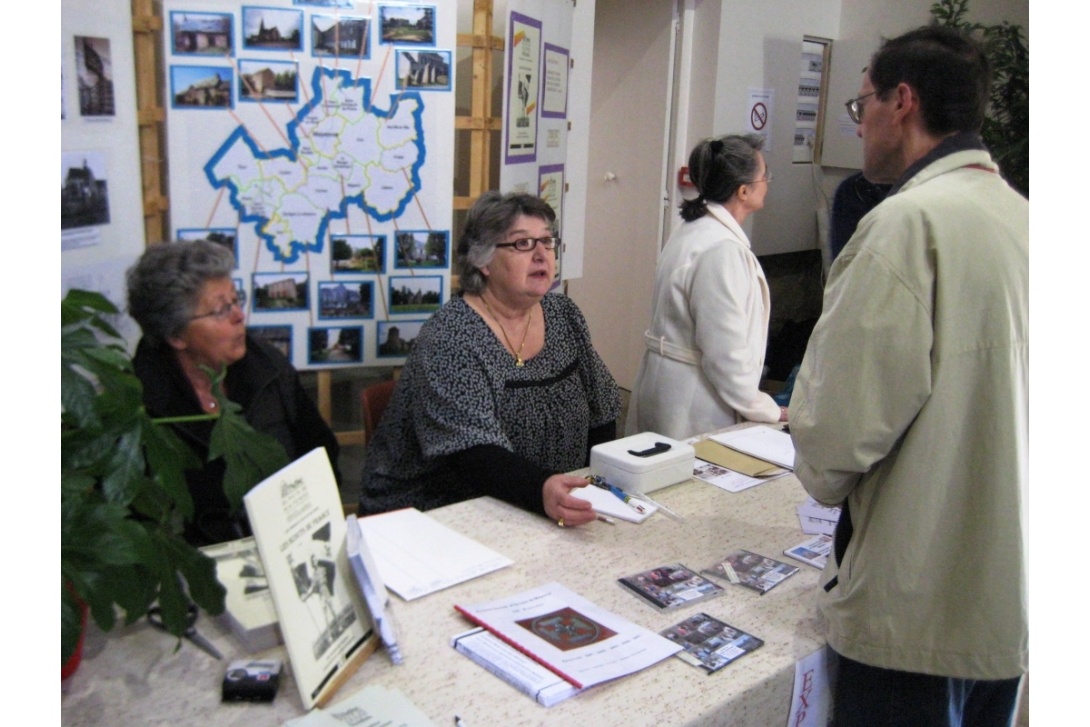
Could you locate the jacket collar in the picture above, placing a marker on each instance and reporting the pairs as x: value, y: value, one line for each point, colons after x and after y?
x: 961, y: 149
x: 720, y: 213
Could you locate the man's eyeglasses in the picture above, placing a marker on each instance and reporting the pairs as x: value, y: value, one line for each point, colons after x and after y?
x: 855, y: 109
x: 527, y: 244
x: 224, y: 311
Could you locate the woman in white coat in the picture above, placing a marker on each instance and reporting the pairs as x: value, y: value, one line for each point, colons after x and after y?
x: 709, y: 322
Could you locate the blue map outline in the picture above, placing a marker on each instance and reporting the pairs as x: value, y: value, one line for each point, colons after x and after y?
x: 345, y: 82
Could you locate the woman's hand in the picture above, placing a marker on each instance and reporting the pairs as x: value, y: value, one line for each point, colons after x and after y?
x: 561, y: 506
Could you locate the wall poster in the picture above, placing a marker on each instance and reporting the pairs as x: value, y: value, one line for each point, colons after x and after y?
x: 539, y: 34
x: 316, y: 139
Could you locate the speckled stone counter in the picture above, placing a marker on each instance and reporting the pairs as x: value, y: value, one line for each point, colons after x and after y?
x: 134, y: 676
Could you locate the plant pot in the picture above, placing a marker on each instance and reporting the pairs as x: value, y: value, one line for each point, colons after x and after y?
x: 72, y: 663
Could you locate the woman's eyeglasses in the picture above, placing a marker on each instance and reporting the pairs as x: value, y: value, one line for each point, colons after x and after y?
x: 527, y: 244
x: 224, y: 311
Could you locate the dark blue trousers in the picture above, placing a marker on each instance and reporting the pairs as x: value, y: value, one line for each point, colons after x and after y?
x: 868, y: 696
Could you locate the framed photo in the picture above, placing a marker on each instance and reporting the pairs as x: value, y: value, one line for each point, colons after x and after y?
x: 334, y: 345
x: 94, y: 68
x: 268, y: 81
x: 396, y: 338
x: 415, y: 293
x: 202, y: 87
x: 357, y: 254
x: 422, y: 249
x: 407, y: 24
x: 202, y: 34
x: 423, y: 70
x: 277, y: 336
x: 340, y: 36
x: 272, y: 29
x: 225, y: 236
x: 280, y: 291
x: 346, y: 300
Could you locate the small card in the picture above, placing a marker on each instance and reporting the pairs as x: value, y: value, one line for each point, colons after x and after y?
x: 814, y: 551
x: 752, y: 570
x: 709, y: 643
x: 671, y: 586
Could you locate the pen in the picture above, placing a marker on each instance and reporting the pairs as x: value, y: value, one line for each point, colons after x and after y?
x: 619, y: 493
x: 459, y: 722
x: 607, y: 520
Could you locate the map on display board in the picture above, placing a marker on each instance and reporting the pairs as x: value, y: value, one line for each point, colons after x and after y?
x: 314, y: 139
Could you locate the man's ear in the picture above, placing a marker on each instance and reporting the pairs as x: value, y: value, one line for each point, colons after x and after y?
x: 178, y: 344
x: 908, y: 101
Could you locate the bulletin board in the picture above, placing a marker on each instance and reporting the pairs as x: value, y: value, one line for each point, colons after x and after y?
x: 314, y: 139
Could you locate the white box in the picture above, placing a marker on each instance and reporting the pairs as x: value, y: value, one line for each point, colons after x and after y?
x: 616, y: 464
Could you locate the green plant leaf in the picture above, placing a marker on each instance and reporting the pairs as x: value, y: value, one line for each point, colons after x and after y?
x: 168, y: 457
x: 71, y: 621
x: 249, y: 455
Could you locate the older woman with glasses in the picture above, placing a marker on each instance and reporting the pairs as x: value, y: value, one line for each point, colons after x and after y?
x: 709, y: 321
x: 502, y: 392
x: 191, y: 315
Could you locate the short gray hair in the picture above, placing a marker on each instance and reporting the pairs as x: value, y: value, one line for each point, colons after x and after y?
x: 165, y: 284
x: 487, y: 223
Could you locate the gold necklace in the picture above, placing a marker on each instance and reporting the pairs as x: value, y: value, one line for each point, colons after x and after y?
x: 518, y: 354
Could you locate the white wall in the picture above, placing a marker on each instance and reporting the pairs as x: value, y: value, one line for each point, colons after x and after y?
x: 101, y: 267
x: 758, y: 47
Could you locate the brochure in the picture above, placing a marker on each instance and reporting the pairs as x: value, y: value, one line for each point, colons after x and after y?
x: 567, y: 634
x: 814, y: 551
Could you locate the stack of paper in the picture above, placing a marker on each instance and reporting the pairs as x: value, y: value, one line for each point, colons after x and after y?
x: 417, y: 555
x: 817, y: 519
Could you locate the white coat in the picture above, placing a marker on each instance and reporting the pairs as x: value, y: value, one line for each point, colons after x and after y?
x: 709, y: 328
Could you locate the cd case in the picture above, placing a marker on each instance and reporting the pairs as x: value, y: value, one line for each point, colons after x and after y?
x: 671, y: 586
x: 752, y: 570
x: 710, y: 643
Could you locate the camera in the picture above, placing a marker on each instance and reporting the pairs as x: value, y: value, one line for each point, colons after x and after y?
x: 252, y: 681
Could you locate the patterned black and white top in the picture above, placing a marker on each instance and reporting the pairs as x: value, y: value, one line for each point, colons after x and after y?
x: 460, y: 389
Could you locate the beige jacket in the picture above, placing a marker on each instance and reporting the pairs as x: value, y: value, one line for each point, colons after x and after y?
x: 912, y: 405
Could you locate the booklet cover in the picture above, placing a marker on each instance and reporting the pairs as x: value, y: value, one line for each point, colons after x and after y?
x: 567, y: 634
x: 752, y: 570
x: 298, y: 523
x: 671, y: 586
x: 814, y: 551
x: 709, y: 643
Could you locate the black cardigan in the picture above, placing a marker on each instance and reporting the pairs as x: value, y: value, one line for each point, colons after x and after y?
x: 273, y: 401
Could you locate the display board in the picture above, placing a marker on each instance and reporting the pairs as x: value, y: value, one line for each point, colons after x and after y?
x: 315, y: 138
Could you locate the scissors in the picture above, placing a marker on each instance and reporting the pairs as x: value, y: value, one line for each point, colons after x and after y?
x: 155, y: 618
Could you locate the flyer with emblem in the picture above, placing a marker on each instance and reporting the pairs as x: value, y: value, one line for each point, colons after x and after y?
x: 567, y: 634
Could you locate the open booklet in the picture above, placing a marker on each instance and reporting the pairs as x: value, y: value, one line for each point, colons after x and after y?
x: 567, y: 634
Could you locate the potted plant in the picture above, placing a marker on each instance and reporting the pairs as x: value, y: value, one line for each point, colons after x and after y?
x: 1006, y: 125
x: 123, y: 489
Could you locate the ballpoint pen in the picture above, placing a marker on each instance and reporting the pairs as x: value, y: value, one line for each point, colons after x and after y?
x: 621, y: 494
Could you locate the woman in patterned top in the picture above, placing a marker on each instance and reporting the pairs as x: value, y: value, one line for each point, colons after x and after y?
x: 502, y: 392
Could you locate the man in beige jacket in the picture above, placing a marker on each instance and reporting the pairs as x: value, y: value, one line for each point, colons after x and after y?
x: 911, y: 407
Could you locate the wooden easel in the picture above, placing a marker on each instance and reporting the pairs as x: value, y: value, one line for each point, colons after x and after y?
x: 147, y: 27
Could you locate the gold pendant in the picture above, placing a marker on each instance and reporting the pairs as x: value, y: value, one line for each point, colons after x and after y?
x: 518, y: 361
